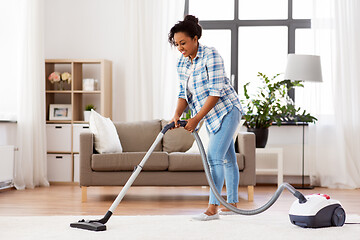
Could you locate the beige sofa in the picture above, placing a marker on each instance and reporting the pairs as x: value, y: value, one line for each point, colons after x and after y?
x: 168, y: 165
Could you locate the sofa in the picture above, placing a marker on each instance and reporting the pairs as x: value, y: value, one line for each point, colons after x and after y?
x: 168, y: 165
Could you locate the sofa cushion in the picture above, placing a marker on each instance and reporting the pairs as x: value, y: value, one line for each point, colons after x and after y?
x: 181, y: 162
x: 158, y: 161
x: 176, y: 140
x: 138, y: 136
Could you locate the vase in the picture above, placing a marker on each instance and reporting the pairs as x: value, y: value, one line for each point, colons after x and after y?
x: 59, y: 86
x: 261, y: 136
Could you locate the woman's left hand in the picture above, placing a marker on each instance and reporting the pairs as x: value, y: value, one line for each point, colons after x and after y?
x: 191, y: 124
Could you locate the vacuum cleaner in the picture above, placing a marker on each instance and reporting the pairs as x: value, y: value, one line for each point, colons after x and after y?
x: 311, y: 211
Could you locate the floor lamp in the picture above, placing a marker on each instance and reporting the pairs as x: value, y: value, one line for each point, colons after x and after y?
x: 304, y: 68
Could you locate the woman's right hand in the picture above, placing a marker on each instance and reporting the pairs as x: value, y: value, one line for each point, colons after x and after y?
x: 175, y: 119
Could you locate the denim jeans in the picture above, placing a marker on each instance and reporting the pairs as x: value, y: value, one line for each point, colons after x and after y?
x: 222, y: 158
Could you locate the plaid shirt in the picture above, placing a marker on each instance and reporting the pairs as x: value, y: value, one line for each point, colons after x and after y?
x: 208, y: 80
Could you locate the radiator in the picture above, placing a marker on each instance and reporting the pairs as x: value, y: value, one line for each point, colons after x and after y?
x: 7, y: 158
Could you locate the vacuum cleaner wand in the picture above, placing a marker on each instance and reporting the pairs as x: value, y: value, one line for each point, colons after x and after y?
x: 99, y: 225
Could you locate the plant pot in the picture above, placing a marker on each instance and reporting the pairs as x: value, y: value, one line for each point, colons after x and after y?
x: 87, y: 116
x: 261, y: 135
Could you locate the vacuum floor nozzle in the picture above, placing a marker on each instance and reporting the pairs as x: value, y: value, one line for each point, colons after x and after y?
x: 92, y: 226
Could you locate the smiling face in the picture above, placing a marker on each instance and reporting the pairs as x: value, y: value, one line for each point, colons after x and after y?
x: 186, y: 45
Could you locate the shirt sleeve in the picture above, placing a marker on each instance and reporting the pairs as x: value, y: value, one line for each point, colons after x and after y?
x: 182, y: 91
x: 216, y: 73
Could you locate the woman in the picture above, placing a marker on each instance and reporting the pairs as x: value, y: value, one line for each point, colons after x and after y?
x: 207, y: 91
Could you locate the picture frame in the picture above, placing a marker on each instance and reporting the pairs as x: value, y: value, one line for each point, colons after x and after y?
x: 60, y: 112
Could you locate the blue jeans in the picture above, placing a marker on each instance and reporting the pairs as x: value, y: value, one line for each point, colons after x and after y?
x: 222, y: 158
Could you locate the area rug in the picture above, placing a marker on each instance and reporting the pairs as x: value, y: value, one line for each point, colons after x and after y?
x: 264, y: 226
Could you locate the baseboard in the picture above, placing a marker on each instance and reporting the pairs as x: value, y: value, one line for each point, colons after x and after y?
x: 64, y: 184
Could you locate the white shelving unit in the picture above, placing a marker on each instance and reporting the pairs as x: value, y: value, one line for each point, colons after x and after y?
x: 63, y: 136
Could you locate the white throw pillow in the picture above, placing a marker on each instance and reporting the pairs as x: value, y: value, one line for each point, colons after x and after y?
x: 204, y: 136
x: 242, y: 121
x: 106, y: 137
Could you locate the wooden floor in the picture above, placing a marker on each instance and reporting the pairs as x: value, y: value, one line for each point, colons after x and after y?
x: 65, y: 200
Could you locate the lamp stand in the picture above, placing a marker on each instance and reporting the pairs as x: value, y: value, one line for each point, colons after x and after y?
x: 303, y: 162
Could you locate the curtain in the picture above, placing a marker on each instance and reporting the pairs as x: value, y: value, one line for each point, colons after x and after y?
x: 335, y: 138
x: 150, y: 69
x: 30, y: 165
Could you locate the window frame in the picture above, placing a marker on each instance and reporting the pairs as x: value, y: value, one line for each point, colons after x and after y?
x: 233, y: 26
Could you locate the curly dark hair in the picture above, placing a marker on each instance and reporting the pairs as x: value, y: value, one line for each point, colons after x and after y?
x: 190, y: 26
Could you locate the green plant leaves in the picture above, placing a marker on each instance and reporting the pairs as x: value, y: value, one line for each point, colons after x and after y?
x: 271, y: 103
x: 89, y: 107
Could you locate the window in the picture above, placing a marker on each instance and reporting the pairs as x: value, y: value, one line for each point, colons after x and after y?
x: 212, y: 9
x: 254, y: 36
x: 220, y: 39
x: 259, y: 9
x: 264, y: 49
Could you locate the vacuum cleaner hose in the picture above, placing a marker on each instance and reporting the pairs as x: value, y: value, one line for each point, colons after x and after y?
x: 261, y: 209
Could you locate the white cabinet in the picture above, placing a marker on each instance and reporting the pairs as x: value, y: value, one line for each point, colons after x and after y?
x: 77, y: 130
x: 59, y: 167
x: 58, y: 137
x: 76, y: 168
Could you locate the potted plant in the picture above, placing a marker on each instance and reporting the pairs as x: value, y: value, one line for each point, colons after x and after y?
x: 269, y: 103
x: 88, y: 111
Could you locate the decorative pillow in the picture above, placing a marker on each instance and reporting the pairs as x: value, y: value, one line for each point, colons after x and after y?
x: 106, y: 137
x: 238, y: 129
x: 176, y: 140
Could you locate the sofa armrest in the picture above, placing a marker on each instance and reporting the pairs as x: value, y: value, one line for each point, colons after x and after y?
x: 86, y: 151
x: 247, y: 147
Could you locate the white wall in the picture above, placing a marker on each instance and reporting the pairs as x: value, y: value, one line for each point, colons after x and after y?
x: 88, y: 29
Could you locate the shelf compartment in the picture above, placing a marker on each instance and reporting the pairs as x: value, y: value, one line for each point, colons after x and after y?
x: 56, y: 98
x: 60, y: 67
x: 84, y: 70
x: 83, y: 99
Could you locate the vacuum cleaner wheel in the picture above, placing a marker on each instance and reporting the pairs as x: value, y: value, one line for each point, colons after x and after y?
x: 338, y: 217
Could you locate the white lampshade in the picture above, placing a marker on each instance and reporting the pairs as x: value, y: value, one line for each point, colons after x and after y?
x: 303, y: 68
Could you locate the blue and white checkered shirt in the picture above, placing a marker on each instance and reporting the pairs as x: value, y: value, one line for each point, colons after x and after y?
x: 208, y: 79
